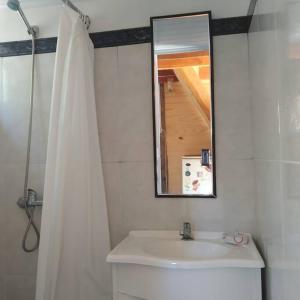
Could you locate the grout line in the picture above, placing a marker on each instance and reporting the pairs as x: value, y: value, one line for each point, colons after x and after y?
x: 251, y: 11
x: 251, y: 8
x: 294, y: 162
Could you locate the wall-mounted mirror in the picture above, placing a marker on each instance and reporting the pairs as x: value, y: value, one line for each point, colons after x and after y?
x: 183, y: 110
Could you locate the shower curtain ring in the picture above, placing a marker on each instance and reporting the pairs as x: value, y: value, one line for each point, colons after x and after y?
x: 87, y: 21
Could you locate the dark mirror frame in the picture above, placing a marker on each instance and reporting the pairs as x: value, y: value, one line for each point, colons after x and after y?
x: 157, y: 195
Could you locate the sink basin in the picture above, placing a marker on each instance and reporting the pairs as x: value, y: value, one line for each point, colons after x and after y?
x: 158, y: 265
x: 165, y: 249
x: 185, y: 250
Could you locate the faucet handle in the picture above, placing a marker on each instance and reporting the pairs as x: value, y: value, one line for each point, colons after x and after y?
x: 186, y: 233
x: 187, y: 225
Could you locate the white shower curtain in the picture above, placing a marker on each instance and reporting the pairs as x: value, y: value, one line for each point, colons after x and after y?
x: 74, y: 232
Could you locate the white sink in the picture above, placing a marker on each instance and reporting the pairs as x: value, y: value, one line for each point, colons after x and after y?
x: 156, y: 265
x: 185, y: 250
x: 166, y: 249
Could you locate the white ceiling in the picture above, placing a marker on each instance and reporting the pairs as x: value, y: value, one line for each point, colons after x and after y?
x: 108, y: 14
x: 38, y: 3
x: 238, y: 7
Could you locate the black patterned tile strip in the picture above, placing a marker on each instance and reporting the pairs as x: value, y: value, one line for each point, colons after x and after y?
x: 45, y: 45
x: 233, y: 25
x: 120, y: 37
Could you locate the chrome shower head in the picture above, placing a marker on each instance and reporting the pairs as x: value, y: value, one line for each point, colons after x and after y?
x: 13, y: 4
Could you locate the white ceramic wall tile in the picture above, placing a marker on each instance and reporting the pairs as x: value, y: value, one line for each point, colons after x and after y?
x: 11, y: 189
x: 274, y: 65
x: 264, y: 81
x: 17, y: 262
x: 232, y: 112
x: 19, y: 268
x: 112, y: 183
x: 135, y: 103
x: 140, y: 210
x: 2, y: 288
x: 1, y: 79
x: 36, y: 178
x: 14, y: 108
x: 20, y: 287
x: 107, y: 102
x: 42, y: 101
x: 123, y: 87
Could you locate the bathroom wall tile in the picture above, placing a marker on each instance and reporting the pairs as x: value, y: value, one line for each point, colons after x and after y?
x: 2, y: 288
x: 232, y: 113
x: 234, y: 207
x: 270, y: 220
x: 2, y: 262
x: 1, y: 79
x: 41, y: 105
x: 16, y: 83
x: 107, y: 102
x: 291, y: 209
x: 124, y: 106
x: 135, y: 103
x: 11, y: 189
x: 20, y: 287
x: 274, y: 56
x: 289, y: 261
x: 269, y: 206
x: 287, y: 31
x: 13, y: 222
x: 14, y: 108
x: 264, y: 78
x: 18, y: 262
x: 37, y: 177
x: 238, y: 196
x: 140, y: 210
x: 112, y: 182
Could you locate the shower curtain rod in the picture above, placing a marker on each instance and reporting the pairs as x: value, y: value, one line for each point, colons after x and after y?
x: 85, y: 18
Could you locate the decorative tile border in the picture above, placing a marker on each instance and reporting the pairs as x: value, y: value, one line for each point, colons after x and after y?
x: 233, y: 25
x: 17, y: 48
x: 122, y: 37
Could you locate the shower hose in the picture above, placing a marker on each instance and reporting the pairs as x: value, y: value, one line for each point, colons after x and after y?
x: 29, y: 209
x: 30, y: 213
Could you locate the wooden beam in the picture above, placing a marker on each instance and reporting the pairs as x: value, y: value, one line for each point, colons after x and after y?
x: 190, y: 79
x: 180, y: 60
x: 183, y: 55
x: 204, y: 72
x: 166, y: 75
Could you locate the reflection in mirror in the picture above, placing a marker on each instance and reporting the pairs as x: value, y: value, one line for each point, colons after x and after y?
x: 183, y: 106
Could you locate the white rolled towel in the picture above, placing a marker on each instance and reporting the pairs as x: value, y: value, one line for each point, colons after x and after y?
x: 238, y: 238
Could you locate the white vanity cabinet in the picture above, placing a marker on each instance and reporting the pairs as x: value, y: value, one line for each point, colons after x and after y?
x: 159, y: 266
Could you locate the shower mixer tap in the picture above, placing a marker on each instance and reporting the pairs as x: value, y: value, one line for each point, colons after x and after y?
x: 30, y: 200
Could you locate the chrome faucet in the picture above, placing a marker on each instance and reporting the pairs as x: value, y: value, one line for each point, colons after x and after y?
x: 186, y: 233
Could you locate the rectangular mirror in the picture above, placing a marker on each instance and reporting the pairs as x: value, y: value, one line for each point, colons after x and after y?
x: 183, y: 106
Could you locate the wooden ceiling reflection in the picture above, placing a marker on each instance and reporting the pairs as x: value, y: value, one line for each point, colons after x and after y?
x: 192, y: 70
x: 179, y: 60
